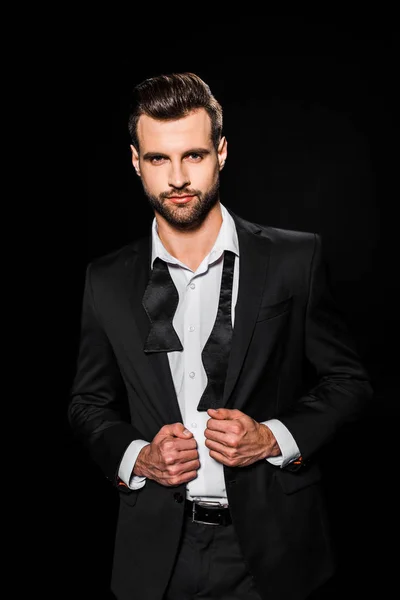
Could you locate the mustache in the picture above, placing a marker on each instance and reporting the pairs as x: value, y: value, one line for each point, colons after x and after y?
x: 179, y: 194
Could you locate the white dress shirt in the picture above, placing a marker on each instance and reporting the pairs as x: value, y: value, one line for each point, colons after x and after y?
x: 193, y: 321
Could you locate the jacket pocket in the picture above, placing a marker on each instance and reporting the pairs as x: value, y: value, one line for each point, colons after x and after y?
x: 274, y: 310
x: 294, y: 481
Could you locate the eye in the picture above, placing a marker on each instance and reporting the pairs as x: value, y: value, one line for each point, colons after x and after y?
x: 157, y: 160
x: 194, y: 156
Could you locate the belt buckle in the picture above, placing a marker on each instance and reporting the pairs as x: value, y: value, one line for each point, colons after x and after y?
x: 204, y: 503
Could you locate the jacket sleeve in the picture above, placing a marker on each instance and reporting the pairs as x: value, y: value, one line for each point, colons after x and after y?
x: 98, y: 411
x: 342, y: 390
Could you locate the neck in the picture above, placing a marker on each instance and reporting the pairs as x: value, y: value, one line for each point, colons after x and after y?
x: 190, y: 247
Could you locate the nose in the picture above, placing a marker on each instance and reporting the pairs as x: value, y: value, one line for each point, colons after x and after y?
x: 178, y: 176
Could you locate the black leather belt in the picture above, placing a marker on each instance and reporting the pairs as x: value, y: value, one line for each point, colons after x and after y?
x: 208, y: 513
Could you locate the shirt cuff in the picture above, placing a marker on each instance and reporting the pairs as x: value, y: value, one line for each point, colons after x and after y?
x: 125, y: 472
x: 289, y: 449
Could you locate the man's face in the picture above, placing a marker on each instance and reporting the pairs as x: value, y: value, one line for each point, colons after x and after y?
x: 179, y: 167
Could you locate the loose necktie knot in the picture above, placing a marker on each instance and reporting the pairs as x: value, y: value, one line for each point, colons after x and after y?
x: 160, y: 302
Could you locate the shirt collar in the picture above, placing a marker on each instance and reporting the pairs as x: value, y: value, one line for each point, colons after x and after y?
x: 227, y: 239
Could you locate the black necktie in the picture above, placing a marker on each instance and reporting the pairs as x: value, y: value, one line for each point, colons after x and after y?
x: 216, y: 351
x: 160, y: 301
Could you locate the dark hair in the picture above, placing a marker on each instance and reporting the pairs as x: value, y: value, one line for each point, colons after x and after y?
x: 168, y: 97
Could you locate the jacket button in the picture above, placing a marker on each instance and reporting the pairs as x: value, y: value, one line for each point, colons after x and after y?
x: 178, y: 497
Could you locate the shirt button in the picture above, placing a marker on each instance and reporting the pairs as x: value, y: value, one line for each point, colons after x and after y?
x: 192, y: 374
x: 194, y: 425
x: 192, y: 285
x: 191, y: 328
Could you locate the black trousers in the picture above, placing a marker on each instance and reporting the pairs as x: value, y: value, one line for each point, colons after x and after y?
x: 210, y: 566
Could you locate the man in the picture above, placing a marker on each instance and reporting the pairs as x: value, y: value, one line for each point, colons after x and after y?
x: 213, y: 368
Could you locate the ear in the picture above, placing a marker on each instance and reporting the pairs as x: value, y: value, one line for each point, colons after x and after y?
x: 222, y: 152
x: 135, y: 159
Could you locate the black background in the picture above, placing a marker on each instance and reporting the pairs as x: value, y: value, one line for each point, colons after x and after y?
x: 309, y: 119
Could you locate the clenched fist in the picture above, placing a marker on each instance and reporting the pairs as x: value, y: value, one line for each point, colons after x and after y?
x: 236, y: 440
x: 171, y: 458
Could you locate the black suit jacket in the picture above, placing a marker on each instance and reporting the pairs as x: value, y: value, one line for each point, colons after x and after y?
x: 291, y: 358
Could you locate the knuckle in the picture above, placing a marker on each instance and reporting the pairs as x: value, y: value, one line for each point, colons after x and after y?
x: 232, y: 453
x: 232, y: 440
x: 173, y: 470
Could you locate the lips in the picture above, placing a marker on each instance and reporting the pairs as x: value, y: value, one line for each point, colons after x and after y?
x: 180, y: 199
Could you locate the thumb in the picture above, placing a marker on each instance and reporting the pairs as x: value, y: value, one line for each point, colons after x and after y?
x: 224, y: 413
x: 219, y: 413
x: 179, y: 430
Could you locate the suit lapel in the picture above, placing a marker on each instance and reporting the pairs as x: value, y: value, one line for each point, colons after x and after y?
x: 254, y: 252
x: 154, y: 367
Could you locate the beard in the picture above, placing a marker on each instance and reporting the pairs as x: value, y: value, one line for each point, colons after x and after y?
x: 188, y: 216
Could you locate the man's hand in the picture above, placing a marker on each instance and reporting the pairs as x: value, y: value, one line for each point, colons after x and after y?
x: 236, y: 440
x: 171, y: 458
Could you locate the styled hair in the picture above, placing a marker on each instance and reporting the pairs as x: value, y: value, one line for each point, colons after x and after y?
x: 173, y: 96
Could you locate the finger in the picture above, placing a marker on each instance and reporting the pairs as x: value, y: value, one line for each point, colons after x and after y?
x: 174, y: 451
x: 216, y: 435
x: 175, y: 481
x: 190, y: 465
x: 179, y: 468
x: 189, y: 476
x: 221, y: 458
x: 180, y: 444
x: 177, y: 430
x: 217, y: 425
x: 218, y: 447
x: 187, y: 456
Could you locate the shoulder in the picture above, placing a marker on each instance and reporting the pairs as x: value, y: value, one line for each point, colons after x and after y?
x: 281, y: 239
x: 115, y: 261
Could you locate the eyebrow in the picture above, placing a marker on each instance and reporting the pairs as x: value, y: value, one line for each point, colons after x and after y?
x: 201, y: 151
